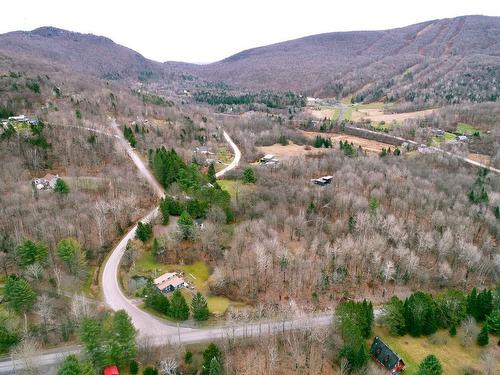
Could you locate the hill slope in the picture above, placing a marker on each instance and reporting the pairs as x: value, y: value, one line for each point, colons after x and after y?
x: 429, y: 57
x: 82, y: 53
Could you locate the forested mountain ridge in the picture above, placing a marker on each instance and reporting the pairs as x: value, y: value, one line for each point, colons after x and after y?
x: 442, y: 61
x: 82, y: 53
x: 432, y: 63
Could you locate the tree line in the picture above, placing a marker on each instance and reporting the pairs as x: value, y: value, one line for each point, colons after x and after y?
x: 202, y: 190
x: 422, y: 314
x: 175, y: 307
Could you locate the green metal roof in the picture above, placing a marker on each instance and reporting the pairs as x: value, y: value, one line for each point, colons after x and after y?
x: 383, y: 354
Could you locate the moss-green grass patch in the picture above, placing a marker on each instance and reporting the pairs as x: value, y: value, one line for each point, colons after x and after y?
x: 436, y: 141
x: 231, y: 186
x: 466, y: 129
x: 348, y: 113
x: 374, y: 105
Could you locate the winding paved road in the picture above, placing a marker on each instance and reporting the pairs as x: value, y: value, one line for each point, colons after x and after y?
x: 156, y: 330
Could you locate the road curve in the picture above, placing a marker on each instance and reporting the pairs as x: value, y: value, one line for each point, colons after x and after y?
x: 146, y: 324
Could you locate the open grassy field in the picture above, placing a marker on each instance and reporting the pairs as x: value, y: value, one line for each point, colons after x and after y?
x: 367, y: 144
x: 436, y: 141
x: 466, y: 129
x: 374, y: 105
x: 378, y: 115
x: 348, y: 113
x: 289, y: 151
x: 230, y: 186
x: 453, y: 356
x: 195, y: 274
x: 322, y: 112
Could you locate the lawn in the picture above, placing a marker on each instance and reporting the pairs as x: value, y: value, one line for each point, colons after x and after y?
x: 195, y: 274
x: 336, y: 114
x: 453, y: 356
x: 436, y: 141
x: 348, y: 113
x: 374, y: 105
x: 466, y: 129
x: 223, y: 155
x: 230, y: 186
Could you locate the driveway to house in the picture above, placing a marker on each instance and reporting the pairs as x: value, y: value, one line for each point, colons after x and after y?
x: 146, y: 324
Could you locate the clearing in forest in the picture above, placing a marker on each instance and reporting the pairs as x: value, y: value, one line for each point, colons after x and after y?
x: 454, y: 357
x: 378, y: 115
x: 368, y: 145
x: 290, y: 150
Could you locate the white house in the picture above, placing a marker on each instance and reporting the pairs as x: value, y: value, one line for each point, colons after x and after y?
x: 170, y: 281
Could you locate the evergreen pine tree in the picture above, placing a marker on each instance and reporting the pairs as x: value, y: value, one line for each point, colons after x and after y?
x: 214, y: 367
x: 122, y: 347
x: 199, y: 307
x: 483, y: 338
x: 430, y: 365
x: 179, y: 308
x: 29, y: 252
x: 211, y: 173
x: 61, y: 186
x: 144, y: 231
x: 212, y: 351
x: 249, y: 176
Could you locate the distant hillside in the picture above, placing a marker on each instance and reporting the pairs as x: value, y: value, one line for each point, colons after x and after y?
x: 432, y: 63
x: 449, y: 60
x: 83, y: 53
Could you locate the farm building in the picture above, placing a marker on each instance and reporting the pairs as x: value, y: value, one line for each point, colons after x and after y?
x: 322, y: 181
x: 170, y: 281
x: 23, y: 118
x: 269, y: 159
x: 46, y: 182
x: 203, y: 150
x: 384, y: 356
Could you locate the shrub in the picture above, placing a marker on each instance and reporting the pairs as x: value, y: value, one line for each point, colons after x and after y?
x: 150, y: 371
x: 61, y: 186
x: 482, y: 338
x: 144, y: 231
x: 249, y: 176
x: 134, y: 367
x: 430, y: 365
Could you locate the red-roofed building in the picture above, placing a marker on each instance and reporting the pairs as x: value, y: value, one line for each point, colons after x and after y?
x: 111, y: 370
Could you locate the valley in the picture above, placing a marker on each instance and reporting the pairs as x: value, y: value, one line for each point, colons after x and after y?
x: 260, y: 223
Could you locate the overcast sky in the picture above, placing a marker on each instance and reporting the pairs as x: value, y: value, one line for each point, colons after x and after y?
x: 206, y: 31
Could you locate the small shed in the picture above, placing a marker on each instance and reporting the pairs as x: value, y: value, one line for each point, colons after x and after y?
x: 111, y: 370
x: 269, y: 159
x: 322, y: 181
x: 386, y: 357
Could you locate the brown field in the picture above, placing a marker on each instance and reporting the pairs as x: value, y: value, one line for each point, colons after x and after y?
x: 378, y: 115
x: 367, y: 144
x: 320, y: 114
x: 289, y: 151
x: 485, y: 159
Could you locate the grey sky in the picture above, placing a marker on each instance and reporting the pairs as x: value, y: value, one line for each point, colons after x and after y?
x: 205, y: 31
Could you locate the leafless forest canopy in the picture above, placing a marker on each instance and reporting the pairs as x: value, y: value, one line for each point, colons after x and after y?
x: 385, y: 225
